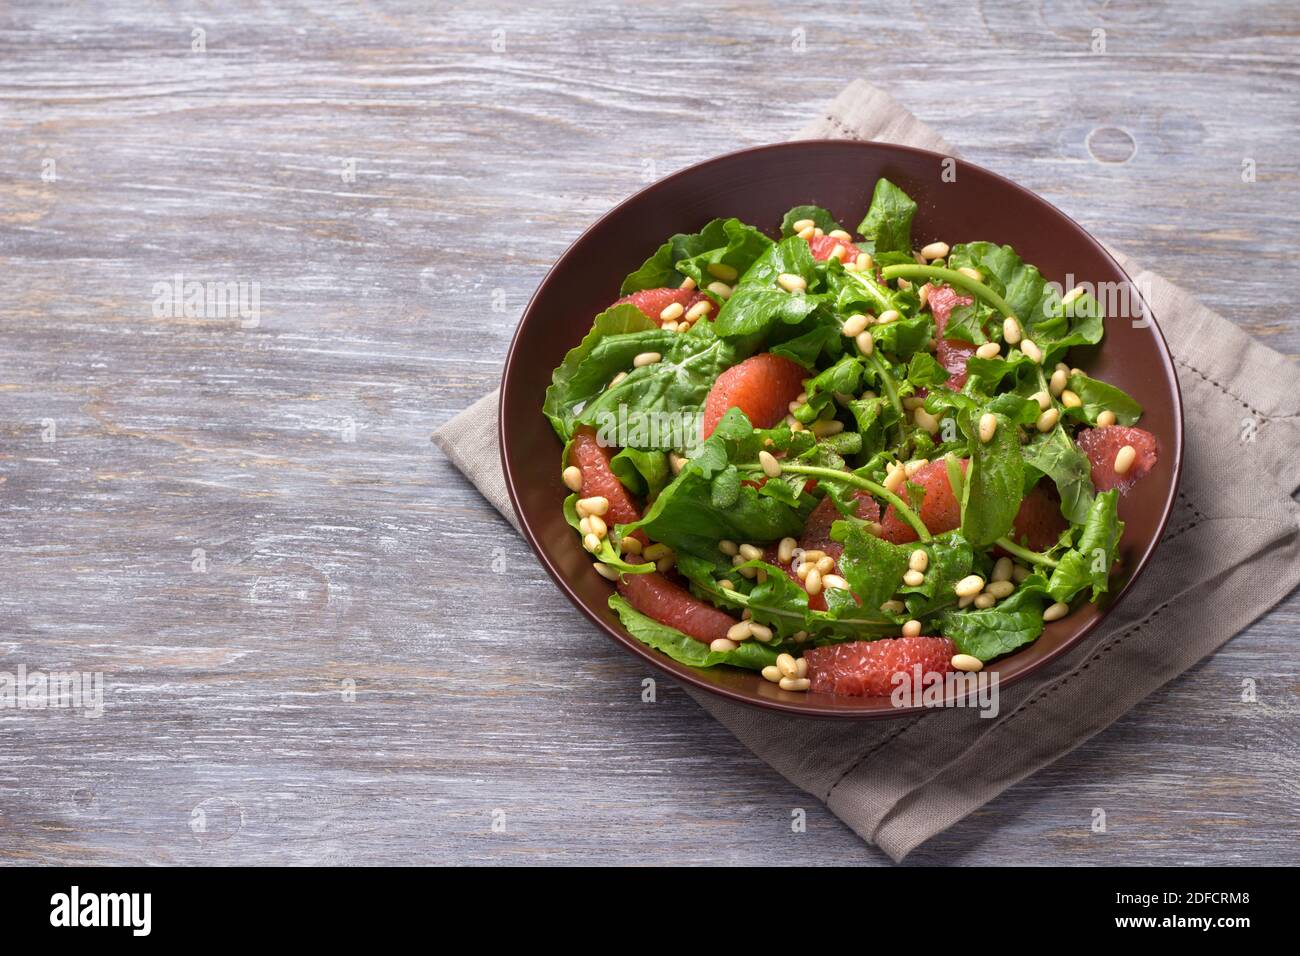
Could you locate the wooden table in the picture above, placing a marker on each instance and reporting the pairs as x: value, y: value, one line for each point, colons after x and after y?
x: 319, y: 644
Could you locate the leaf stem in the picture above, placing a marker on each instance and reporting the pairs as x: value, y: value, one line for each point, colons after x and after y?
x: 831, y: 474
x: 1033, y: 557
x: 953, y: 278
x: 891, y: 391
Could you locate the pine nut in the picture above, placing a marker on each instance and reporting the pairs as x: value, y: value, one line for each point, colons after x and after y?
x: 1000, y: 589
x: 740, y: 632
x: 1011, y: 330
x: 573, y: 478
x: 866, y: 342
x: 794, y: 406
x: 1059, y: 379
x: 751, y: 553
x: 988, y: 427
x: 984, y: 601
x: 771, y: 467
x: 894, y: 480
x: 597, y: 525
x: 1002, y: 569
x: 722, y: 645
x: 970, y: 273
x: 825, y: 429
x: 1047, y: 420
x: 969, y: 586
x: 720, y: 289
x: 1035, y: 354
x: 893, y: 607
x: 1071, y: 400
x: 919, y: 560
x: 785, y: 550
x: 688, y: 284
x: 889, y: 315
x: 699, y: 309
x: 926, y: 421
x: 807, y: 232
x: 665, y: 564
x: 1043, y: 399
x: 760, y: 632
x: 591, y: 543
x: 989, y: 350
x: 804, y: 569
x: 965, y: 662
x: 854, y: 325
x: 584, y: 526
x: 1056, y: 612
x: 786, y: 665
x: 677, y: 462
x: 1072, y: 295
x: 727, y: 584
x: 720, y: 270
x: 915, y: 465
x: 912, y: 629
x: 1124, y: 459
x: 770, y: 672
x: 913, y: 579
x: 804, y: 224
x: 1106, y: 419
x: 605, y: 571
x: 728, y: 547
x: 818, y: 232
x: 616, y: 379
x: 835, y: 582
x: 840, y: 234
x: 813, y: 582
x: 825, y: 564
x: 865, y: 262
x: 669, y: 326
x: 935, y: 250
x: 1019, y: 573
x: 595, y: 505
x: 656, y: 551
x: 646, y: 358
x: 837, y: 252
x: 672, y: 312
x: 967, y: 601
x: 913, y: 402
x: 800, y: 663
x: 630, y: 545
x: 794, y: 683
x: 923, y: 295
x: 814, y: 555
x: 791, y: 282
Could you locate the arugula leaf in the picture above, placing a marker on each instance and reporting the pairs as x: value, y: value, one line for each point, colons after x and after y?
x: 998, y: 630
x: 644, y: 473
x: 924, y: 371
x: 1020, y: 284
x: 995, y: 482
x: 904, y: 338
x: 607, y: 553
x: 820, y: 217
x: 1089, y: 562
x: 750, y: 655
x: 1059, y: 458
x: 887, y: 226
x: 744, y: 244
x: 619, y: 320
x: 951, y: 559
x: 1101, y: 396
x: 659, y: 271
x: 873, y: 566
x: 758, y: 302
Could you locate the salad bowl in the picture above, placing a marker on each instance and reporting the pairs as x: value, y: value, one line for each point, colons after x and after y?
x: 955, y: 202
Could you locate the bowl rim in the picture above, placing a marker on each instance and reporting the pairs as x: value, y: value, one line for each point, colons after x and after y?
x: 813, y: 709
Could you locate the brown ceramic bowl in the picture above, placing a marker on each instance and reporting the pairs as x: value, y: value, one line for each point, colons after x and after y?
x: 758, y: 185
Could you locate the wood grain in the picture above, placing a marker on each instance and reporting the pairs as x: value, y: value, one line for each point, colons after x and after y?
x: 340, y: 547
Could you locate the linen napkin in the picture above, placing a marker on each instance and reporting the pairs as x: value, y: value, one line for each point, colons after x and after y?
x: 1225, y: 559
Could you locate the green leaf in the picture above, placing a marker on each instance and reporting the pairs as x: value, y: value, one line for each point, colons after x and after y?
x: 995, y: 479
x: 644, y: 473
x: 820, y: 217
x: 750, y: 655
x: 924, y: 371
x: 558, y: 405
x: 951, y: 559
x: 1097, y: 397
x: 873, y: 567
x: 607, y: 554
x: 1020, y: 284
x: 1057, y: 456
x: 744, y: 244
x: 1089, y: 562
x: 887, y: 226
x: 758, y: 303
x: 998, y: 630
x: 659, y: 271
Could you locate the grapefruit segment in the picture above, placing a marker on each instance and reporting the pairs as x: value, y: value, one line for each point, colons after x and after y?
x: 657, y: 597
x: 940, y: 510
x: 867, y: 668
x: 653, y: 301
x: 1101, y: 445
x: 762, y: 386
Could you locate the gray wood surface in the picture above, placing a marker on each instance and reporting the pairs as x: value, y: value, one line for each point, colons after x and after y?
x: 341, y: 547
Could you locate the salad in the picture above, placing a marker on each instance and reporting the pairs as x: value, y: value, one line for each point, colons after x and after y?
x: 833, y: 460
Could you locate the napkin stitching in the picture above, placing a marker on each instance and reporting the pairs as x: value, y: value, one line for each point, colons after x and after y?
x: 880, y: 743
x: 1235, y: 397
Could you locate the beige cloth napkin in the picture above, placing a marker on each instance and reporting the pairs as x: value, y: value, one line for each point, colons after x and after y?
x: 1230, y: 553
